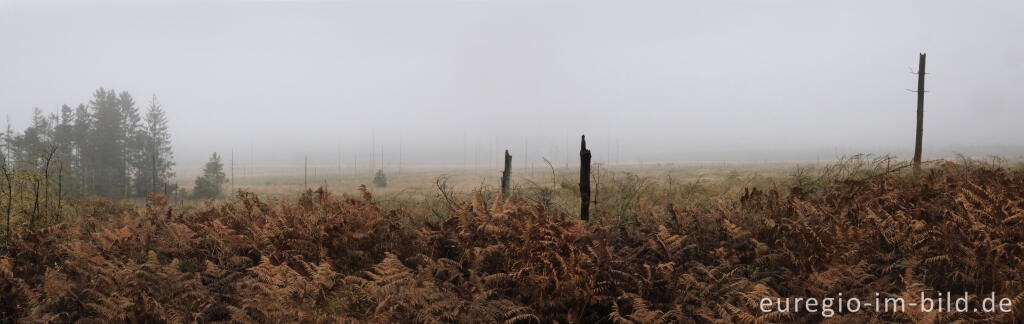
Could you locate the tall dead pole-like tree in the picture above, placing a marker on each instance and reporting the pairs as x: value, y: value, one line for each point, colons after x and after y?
x: 506, y: 174
x: 305, y: 173
x: 464, y: 151
x: 252, y: 164
x: 617, y: 156
x: 584, y: 179
x: 373, y: 147
x: 46, y: 180
x: 7, y: 173
x: 399, y: 154
x: 60, y: 188
x: 920, y: 112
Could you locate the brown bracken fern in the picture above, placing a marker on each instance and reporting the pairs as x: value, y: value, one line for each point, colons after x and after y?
x: 330, y: 259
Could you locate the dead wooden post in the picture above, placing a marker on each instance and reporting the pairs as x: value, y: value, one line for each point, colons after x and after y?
x: 920, y: 112
x: 584, y: 179
x: 505, y: 174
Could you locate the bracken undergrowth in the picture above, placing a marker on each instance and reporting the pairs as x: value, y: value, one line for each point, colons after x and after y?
x: 328, y: 258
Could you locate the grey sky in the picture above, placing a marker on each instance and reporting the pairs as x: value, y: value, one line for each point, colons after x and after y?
x: 673, y: 80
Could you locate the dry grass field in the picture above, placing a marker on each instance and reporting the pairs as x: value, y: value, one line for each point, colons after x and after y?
x: 421, y: 181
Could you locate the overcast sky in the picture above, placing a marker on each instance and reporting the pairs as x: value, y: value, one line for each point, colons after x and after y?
x: 645, y: 80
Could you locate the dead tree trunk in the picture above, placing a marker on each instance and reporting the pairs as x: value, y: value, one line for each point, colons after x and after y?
x: 584, y: 179
x: 35, y: 203
x: 60, y: 190
x: 505, y: 174
x: 920, y: 112
x: 10, y: 196
x: 46, y: 182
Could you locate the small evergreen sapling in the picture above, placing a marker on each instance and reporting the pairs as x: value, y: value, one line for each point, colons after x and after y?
x: 380, y: 180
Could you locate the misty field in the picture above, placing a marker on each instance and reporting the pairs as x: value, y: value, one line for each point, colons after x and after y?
x: 510, y: 161
x: 660, y: 247
x: 412, y: 185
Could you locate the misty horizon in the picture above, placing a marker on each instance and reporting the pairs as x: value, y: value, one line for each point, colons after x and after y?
x: 453, y: 82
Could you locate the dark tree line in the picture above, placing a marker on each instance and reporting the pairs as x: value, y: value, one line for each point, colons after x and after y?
x: 107, y: 147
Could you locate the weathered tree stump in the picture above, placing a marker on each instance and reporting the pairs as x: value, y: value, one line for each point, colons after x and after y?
x: 506, y: 174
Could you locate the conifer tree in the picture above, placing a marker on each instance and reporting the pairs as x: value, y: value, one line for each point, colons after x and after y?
x: 28, y: 146
x: 6, y: 142
x: 107, y: 158
x: 213, y: 179
x: 380, y: 180
x: 157, y: 157
x: 81, y: 129
x: 134, y: 137
x: 62, y: 140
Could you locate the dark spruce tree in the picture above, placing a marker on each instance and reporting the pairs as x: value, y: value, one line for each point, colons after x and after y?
x: 135, y: 139
x: 81, y: 130
x: 64, y: 142
x: 62, y: 136
x: 28, y: 147
x: 213, y: 179
x: 8, y: 142
x: 156, y: 161
x: 380, y: 180
x: 106, y: 157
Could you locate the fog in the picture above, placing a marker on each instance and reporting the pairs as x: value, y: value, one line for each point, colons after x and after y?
x: 455, y: 81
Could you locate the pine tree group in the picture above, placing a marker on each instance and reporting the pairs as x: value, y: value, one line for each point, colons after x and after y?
x: 105, y: 148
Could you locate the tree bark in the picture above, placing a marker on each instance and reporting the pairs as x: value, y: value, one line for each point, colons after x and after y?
x: 584, y: 179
